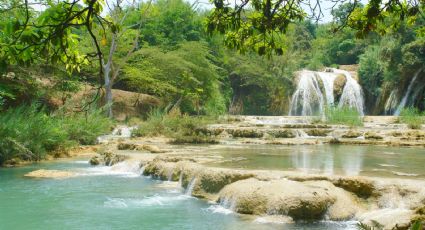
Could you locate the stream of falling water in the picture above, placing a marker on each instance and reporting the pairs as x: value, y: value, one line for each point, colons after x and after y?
x: 407, y: 94
x: 308, y: 97
x: 315, y: 90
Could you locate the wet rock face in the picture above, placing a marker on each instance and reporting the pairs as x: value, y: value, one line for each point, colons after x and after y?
x: 132, y: 146
x: 373, y: 136
x: 358, y: 186
x: 283, y: 197
x: 126, y: 146
x: 248, y: 133
x: 212, y: 181
x: 398, y: 219
x: 318, y: 132
x: 352, y: 134
x: 339, y: 84
x: 107, y: 158
x: 284, y: 133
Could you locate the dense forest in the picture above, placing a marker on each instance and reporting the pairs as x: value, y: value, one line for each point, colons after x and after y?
x: 170, y: 54
x: 163, y: 49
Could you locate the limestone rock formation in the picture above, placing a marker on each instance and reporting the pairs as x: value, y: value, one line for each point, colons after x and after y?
x: 56, y: 174
x: 299, y: 200
x: 107, y: 158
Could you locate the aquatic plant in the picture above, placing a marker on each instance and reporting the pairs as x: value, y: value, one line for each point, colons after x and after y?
x: 412, y: 117
x: 343, y: 116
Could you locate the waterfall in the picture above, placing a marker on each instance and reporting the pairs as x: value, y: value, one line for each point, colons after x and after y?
x: 391, y: 102
x: 406, y: 96
x: 308, y: 98
x: 181, y: 178
x: 352, y: 95
x: 190, y: 187
x: 328, y: 80
x: 170, y: 175
x: 315, y: 90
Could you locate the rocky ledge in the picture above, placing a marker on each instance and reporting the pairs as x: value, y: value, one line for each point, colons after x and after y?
x: 393, y: 203
x: 284, y: 130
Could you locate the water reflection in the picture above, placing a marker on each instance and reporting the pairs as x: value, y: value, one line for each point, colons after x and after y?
x: 353, y: 162
x: 328, y: 159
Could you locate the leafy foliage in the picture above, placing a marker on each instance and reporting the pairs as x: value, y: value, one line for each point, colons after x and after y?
x: 186, y: 76
x: 29, y: 133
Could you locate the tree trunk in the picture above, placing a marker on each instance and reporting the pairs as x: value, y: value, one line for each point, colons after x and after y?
x: 108, y: 98
x: 107, y: 69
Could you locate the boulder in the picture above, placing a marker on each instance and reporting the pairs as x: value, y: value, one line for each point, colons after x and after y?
x: 352, y: 134
x: 282, y: 197
x: 373, y: 135
x: 94, y: 160
x: 339, y: 84
x: 282, y: 133
x: 318, y: 132
x: 107, y: 158
x: 387, y: 219
x: 126, y: 146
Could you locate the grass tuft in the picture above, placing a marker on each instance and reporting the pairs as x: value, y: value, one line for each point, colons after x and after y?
x: 343, y: 116
x: 412, y: 117
x: 181, y: 127
x: 29, y: 133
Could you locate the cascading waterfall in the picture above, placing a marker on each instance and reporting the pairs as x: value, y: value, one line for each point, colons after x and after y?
x: 408, y: 92
x: 181, y: 179
x: 352, y: 95
x: 328, y: 80
x: 190, y: 187
x: 391, y: 103
x: 308, y: 97
x: 315, y: 90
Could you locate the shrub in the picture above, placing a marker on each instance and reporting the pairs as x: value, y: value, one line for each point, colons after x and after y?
x: 181, y: 127
x: 86, y: 127
x: 29, y: 133
x: 343, y: 116
x: 412, y: 117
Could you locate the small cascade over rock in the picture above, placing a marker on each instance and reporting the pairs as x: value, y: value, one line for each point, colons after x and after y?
x: 190, y: 187
x: 352, y: 95
x: 406, y: 96
x: 315, y: 91
x: 308, y: 97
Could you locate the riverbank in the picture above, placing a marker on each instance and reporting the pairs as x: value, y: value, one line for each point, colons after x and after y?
x: 318, y: 179
x: 287, y: 195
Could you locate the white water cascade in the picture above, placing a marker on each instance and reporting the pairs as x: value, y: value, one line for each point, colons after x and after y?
x: 408, y: 92
x: 328, y: 80
x: 352, y: 95
x: 190, y: 187
x: 315, y: 90
x: 308, y: 97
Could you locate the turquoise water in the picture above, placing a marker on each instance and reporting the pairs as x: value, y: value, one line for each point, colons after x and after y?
x: 326, y: 159
x: 102, y: 199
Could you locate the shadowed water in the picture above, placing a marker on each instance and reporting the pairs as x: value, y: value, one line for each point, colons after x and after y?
x: 327, y: 159
x: 115, y: 200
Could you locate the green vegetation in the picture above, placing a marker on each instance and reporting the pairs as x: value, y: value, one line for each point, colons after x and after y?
x: 181, y: 127
x: 170, y: 51
x: 343, y: 116
x: 417, y: 225
x: 412, y: 117
x: 29, y: 133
